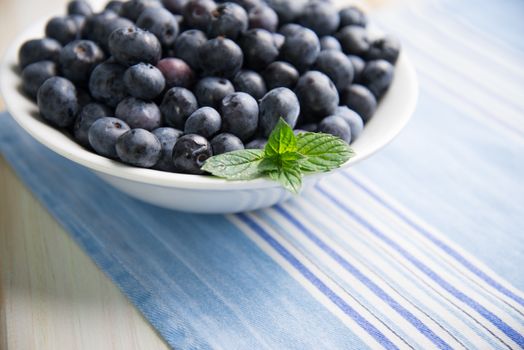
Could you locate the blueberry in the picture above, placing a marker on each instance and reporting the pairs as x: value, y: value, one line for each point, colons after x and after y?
x: 90, y: 113
x: 358, y: 66
x: 279, y: 40
x: 317, y: 94
x: 301, y: 48
x: 352, y: 16
x: 197, y: 13
x: 178, y: 104
x: 100, y: 26
x: 359, y: 99
x: 263, y: 17
x: 287, y: 10
x: 329, y: 43
x: 354, y: 40
x: 225, y: 143
x: 335, y: 126
x: 139, y: 114
x: 57, y: 101
x: 62, y: 29
x: 239, y: 115
x: 337, y: 66
x: 115, y: 6
x: 104, y: 133
x: 139, y: 147
x: 228, y: 20
x: 79, y: 58
x: 80, y: 23
x: 144, y: 81
x: 79, y: 7
x: 175, y: 6
x: 39, y: 50
x: 168, y: 138
x: 187, y: 45
x: 311, y: 127
x: 289, y: 29
x: 190, y: 153
x: 259, y: 48
x: 280, y: 74
x: 248, y: 4
x: 106, y: 83
x: 251, y: 83
x: 257, y: 144
x: 160, y: 22
x: 35, y: 74
x: 220, y: 57
x: 377, y: 77
x: 132, y: 9
x: 204, y: 121
x: 176, y: 72
x: 321, y: 17
x: 386, y: 48
x: 132, y: 45
x: 83, y: 96
x: 355, y: 122
x: 211, y: 90
x: 278, y: 103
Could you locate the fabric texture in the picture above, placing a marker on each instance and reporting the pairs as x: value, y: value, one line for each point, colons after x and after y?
x: 419, y: 247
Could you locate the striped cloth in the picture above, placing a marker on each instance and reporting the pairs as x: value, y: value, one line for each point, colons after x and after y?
x: 419, y: 247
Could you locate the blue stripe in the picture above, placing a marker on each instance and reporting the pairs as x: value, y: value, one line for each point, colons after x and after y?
x: 438, y: 242
x: 488, y: 315
x: 304, y: 271
x: 406, y: 314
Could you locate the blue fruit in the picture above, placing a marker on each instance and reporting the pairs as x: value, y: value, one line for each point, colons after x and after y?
x: 160, y: 22
x: 168, y: 138
x: 132, y: 9
x: 132, y: 45
x: 144, y: 81
x: 99, y: 27
x: 36, y: 50
x: 311, y: 127
x: 139, y: 147
x: 257, y: 144
x: 278, y: 103
x: 211, y: 90
x: 329, y: 42
x: 355, y: 122
x: 178, y: 104
x: 287, y: 10
x: 220, y: 57
x: 377, y: 77
x: 79, y: 58
x: 250, y: 82
x: 63, y: 29
x: 204, y: 121
x: 300, y: 48
x: 352, y: 16
x: 337, y: 66
x: 247, y: 4
x: 187, y: 45
x: 335, y: 126
x: 103, y: 135
x: 224, y: 143
x: 239, y: 115
x: 106, y: 83
x: 176, y: 72
x: 190, y: 153
x: 289, y: 29
x: 228, y: 20
x: 386, y: 48
x: 280, y: 74
x: 263, y: 17
x: 359, y: 99
x: 197, y: 13
x: 358, y: 66
x: 139, y: 114
x: 354, y: 40
x: 317, y: 94
x: 115, y: 6
x: 279, y: 40
x: 88, y: 115
x: 175, y: 6
x: 259, y: 48
x: 35, y: 74
x: 57, y: 101
x: 79, y: 7
x: 321, y: 17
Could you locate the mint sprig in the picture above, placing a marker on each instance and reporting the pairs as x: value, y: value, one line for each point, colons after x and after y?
x: 286, y: 158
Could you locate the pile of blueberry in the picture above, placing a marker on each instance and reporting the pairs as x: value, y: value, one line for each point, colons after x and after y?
x: 168, y: 84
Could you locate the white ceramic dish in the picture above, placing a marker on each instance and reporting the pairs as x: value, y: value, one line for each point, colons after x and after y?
x: 194, y: 193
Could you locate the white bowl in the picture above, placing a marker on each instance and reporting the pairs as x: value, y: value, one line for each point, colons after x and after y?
x: 196, y: 193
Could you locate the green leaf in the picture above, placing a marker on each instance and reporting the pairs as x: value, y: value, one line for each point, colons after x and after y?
x: 237, y: 165
x: 323, y: 152
x: 282, y: 140
x: 289, y: 178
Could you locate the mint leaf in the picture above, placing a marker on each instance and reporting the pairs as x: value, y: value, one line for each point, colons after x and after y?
x: 323, y: 152
x: 281, y: 140
x: 289, y: 178
x: 237, y: 165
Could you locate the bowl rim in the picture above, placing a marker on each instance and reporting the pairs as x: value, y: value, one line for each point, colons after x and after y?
x: 49, y: 136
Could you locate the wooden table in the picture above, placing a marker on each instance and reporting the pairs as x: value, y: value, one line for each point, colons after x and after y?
x: 52, y: 296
